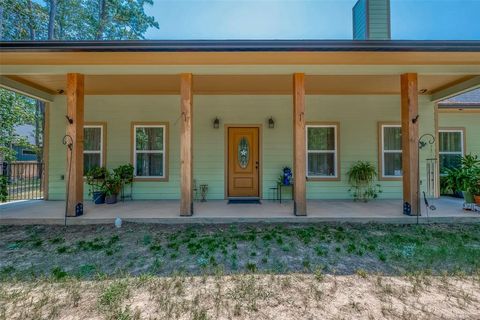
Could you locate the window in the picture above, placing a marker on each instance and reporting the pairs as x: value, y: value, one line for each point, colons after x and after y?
x: 93, y: 147
x: 322, y: 151
x: 149, y: 150
x: 391, y: 150
x: 451, y: 148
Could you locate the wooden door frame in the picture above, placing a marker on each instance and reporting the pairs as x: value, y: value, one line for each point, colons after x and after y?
x: 260, y: 156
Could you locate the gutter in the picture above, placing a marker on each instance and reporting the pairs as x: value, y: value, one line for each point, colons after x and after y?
x: 241, y: 46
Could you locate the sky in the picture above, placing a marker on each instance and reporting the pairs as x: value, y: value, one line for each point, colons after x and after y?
x: 309, y: 19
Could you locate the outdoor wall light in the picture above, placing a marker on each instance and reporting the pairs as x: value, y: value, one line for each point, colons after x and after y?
x: 216, y: 123
x: 423, y: 91
x: 271, y: 123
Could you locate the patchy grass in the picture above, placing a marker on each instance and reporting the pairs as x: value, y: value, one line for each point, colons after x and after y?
x: 90, y: 251
x: 240, y: 271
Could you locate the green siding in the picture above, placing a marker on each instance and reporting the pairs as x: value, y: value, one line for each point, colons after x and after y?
x: 379, y: 19
x: 358, y: 117
x: 469, y: 121
x: 360, y: 20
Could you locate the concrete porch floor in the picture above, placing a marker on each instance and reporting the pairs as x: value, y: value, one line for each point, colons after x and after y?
x: 382, y: 211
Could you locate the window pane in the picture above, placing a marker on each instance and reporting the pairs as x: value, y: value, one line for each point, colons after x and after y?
x: 450, y: 141
x: 321, y: 164
x: 149, y: 138
x: 90, y: 160
x: 321, y: 138
x: 392, y: 138
x: 150, y: 164
x: 92, y: 139
x: 392, y: 164
x: 449, y: 161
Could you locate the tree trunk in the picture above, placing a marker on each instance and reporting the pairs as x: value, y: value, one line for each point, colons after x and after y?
x: 51, y: 19
x: 39, y: 128
x: 31, y: 22
x: 102, y: 17
x: 1, y: 21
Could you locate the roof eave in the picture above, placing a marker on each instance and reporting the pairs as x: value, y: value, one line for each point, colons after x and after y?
x: 242, y: 45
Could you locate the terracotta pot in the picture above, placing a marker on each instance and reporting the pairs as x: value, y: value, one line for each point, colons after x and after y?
x: 477, y: 199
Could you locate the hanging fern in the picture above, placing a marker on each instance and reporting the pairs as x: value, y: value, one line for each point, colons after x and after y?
x: 361, y: 177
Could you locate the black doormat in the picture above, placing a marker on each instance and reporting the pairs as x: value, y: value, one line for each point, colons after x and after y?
x: 240, y: 201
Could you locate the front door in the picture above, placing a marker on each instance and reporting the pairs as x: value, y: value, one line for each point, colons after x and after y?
x: 243, y: 162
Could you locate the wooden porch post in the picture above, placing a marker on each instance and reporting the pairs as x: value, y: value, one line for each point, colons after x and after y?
x: 75, y: 113
x: 410, y: 153
x: 299, y: 147
x: 186, y: 165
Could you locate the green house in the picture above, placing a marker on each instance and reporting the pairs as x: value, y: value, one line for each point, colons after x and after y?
x: 233, y: 114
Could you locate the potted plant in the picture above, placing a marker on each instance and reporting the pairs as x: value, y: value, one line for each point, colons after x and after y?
x: 96, y: 180
x: 111, y: 188
x: 286, y: 176
x: 465, y: 178
x: 125, y: 172
x: 474, y: 186
x: 361, y: 177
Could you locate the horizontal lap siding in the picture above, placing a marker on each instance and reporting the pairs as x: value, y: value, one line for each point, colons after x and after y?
x: 209, y: 143
x: 358, y: 117
x: 378, y: 19
x: 118, y: 112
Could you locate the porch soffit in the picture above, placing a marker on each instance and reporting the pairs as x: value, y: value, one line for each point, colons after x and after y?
x: 37, y: 57
x: 148, y: 84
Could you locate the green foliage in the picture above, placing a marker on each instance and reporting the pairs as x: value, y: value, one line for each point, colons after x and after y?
x: 361, y: 177
x: 75, y: 19
x: 125, y: 172
x: 3, y: 189
x: 100, y: 179
x: 464, y: 178
x: 58, y: 273
x: 15, y: 110
x: 96, y: 178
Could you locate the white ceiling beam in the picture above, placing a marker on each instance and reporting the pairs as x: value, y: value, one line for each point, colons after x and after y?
x: 456, y: 89
x: 10, y: 84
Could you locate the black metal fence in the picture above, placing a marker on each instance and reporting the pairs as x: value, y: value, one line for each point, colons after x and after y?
x: 24, y: 180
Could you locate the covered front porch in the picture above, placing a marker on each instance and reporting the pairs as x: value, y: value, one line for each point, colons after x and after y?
x: 354, y: 96
x: 449, y: 210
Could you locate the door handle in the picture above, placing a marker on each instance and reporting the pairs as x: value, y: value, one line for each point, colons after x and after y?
x: 256, y: 165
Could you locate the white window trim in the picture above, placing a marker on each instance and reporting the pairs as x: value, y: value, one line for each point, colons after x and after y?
x: 335, y: 152
x: 462, y: 143
x: 383, y: 126
x: 101, y: 143
x: 135, y: 151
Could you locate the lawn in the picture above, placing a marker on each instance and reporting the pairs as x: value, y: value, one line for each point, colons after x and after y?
x: 256, y: 271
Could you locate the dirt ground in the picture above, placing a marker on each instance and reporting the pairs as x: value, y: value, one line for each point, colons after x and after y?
x: 293, y: 296
x: 261, y: 271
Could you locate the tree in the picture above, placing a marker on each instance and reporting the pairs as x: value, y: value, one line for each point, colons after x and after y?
x: 75, y: 19
x: 15, y: 110
x: 60, y: 20
x: 21, y: 20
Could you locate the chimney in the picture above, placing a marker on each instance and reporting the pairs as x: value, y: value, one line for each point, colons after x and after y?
x: 371, y: 20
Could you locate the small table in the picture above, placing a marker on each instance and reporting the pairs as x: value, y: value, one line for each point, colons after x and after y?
x: 279, y: 190
x: 203, y: 192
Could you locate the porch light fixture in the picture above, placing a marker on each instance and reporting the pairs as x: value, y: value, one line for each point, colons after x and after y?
x: 271, y: 123
x: 423, y: 91
x: 216, y: 123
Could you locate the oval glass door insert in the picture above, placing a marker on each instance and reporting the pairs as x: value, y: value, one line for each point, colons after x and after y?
x: 243, y: 152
